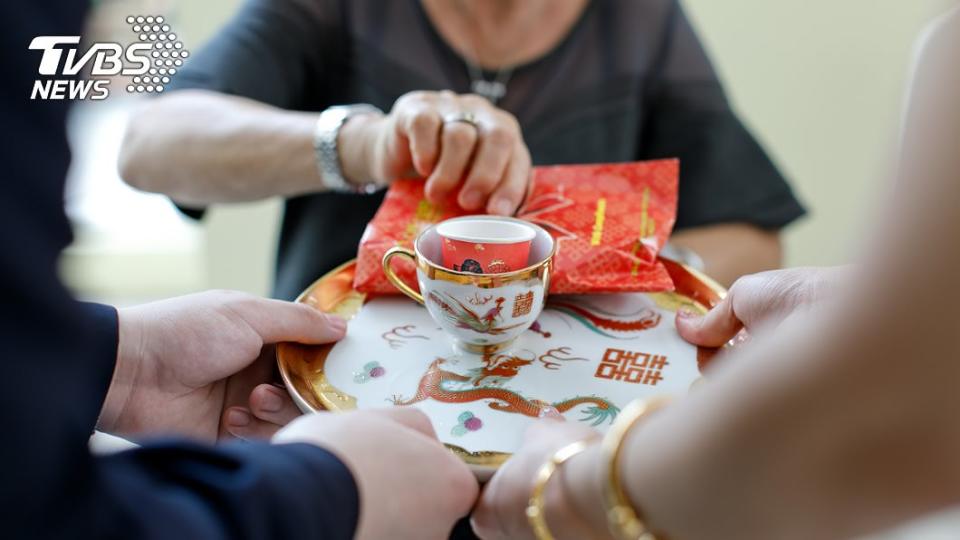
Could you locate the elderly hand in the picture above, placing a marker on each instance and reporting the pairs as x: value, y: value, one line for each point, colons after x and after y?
x: 192, y: 365
x: 758, y: 299
x: 459, y: 143
x: 411, y: 486
x: 501, y: 511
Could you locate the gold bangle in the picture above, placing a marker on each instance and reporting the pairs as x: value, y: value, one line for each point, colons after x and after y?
x: 623, y: 519
x: 535, y: 507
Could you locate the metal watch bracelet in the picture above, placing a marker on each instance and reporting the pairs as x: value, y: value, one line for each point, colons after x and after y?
x: 326, y: 152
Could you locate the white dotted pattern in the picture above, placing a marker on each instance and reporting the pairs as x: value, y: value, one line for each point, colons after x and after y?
x: 167, y: 52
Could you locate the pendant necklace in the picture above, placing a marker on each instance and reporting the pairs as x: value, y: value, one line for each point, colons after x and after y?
x: 494, y: 89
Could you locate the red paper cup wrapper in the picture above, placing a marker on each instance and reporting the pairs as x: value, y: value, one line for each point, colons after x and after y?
x: 485, y: 245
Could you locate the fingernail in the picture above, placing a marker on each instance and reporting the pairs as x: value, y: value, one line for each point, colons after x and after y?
x: 551, y: 413
x: 471, y: 199
x: 502, y: 207
x: 271, y: 401
x: 687, y: 313
x: 238, y: 417
x: 420, y: 167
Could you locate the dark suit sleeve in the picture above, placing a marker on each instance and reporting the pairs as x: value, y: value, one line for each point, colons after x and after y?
x: 245, y: 490
x: 725, y: 175
x: 58, y: 357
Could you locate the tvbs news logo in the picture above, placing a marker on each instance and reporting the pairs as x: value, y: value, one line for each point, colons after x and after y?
x: 150, y: 61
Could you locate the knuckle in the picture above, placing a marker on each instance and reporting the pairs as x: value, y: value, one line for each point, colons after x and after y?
x: 500, y: 136
x: 482, y: 182
x: 308, y: 312
x: 420, y: 418
x: 460, y: 136
x: 410, y: 417
x: 509, y: 120
x: 423, y: 121
x: 415, y: 414
x: 474, y: 100
x: 741, y: 283
x: 248, y: 344
x: 734, y: 288
x: 524, y: 159
x: 416, y: 96
x: 238, y: 298
x: 513, y: 188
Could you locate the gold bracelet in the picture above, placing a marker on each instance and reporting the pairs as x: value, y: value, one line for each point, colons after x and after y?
x: 535, y: 507
x: 623, y: 519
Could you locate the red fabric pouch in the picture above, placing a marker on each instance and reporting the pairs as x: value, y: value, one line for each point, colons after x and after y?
x: 610, y: 222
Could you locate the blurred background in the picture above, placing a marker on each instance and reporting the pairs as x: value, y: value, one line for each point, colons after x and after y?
x: 820, y: 82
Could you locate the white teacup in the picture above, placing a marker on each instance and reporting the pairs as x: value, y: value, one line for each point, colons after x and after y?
x: 483, y: 313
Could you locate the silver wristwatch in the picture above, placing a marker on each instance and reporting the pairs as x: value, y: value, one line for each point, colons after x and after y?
x: 325, y: 147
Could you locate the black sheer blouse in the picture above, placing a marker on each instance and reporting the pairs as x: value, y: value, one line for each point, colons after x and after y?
x: 630, y: 81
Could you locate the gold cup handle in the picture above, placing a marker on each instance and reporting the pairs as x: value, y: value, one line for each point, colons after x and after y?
x: 392, y: 277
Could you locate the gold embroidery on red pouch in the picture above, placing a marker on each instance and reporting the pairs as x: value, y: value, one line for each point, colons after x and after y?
x: 598, y: 222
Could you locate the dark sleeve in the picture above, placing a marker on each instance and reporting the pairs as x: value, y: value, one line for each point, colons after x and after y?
x: 273, y: 51
x: 179, y: 489
x: 725, y: 175
x: 242, y: 490
x: 58, y: 357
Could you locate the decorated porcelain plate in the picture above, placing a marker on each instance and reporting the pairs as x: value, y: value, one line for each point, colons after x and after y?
x: 585, y: 358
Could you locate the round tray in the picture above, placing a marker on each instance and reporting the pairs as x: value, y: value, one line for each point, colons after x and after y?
x: 585, y: 358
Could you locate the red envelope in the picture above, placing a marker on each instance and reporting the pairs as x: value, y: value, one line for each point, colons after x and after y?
x: 610, y: 222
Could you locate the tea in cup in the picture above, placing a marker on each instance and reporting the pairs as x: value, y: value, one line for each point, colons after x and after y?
x: 482, y: 312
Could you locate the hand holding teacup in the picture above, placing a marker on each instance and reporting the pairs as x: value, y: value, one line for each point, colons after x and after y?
x: 482, y: 311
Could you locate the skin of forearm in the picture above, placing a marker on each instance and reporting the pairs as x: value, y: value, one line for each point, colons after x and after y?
x: 844, y: 421
x: 842, y: 427
x: 203, y: 147
x: 732, y: 250
x: 781, y: 435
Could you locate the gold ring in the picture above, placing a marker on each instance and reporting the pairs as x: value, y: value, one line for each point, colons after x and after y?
x: 467, y: 117
x: 535, y: 507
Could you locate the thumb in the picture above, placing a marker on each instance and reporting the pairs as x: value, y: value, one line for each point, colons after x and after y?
x: 711, y: 330
x: 276, y: 321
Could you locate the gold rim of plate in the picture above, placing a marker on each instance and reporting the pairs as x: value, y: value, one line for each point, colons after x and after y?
x: 301, y: 366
